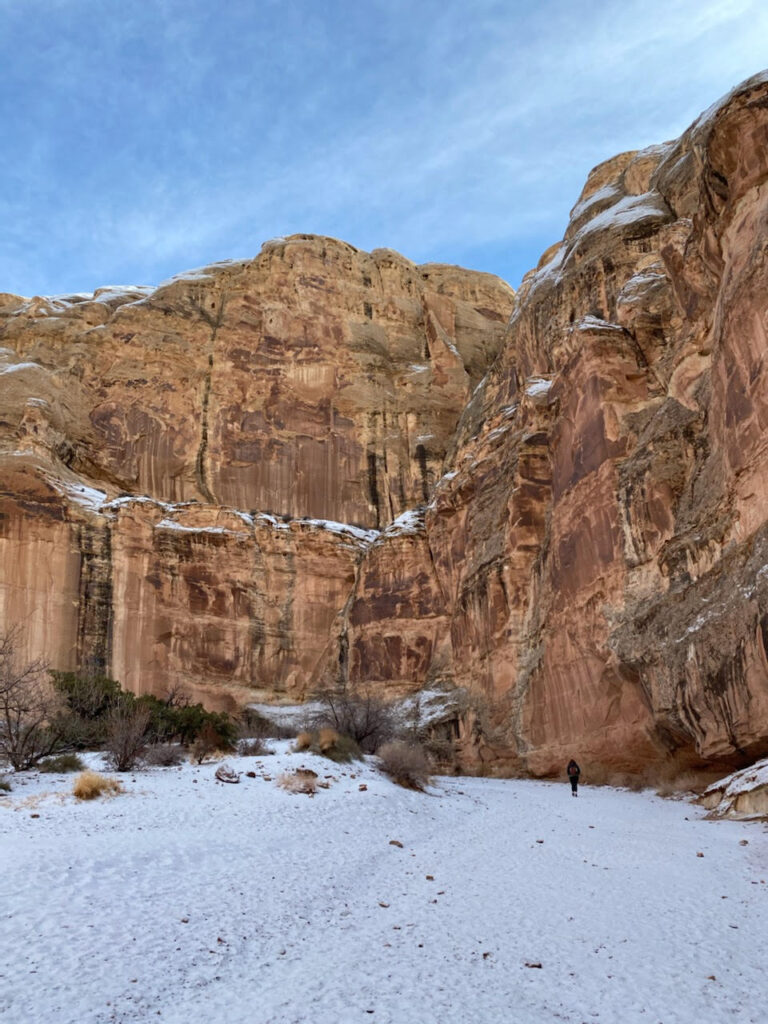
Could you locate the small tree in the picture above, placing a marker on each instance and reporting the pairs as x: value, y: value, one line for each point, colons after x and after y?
x: 366, y: 719
x: 127, y: 724
x: 28, y: 707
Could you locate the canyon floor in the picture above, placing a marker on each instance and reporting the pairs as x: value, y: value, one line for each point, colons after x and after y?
x: 186, y: 899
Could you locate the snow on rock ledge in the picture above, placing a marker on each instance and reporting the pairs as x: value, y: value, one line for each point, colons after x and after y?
x: 741, y: 795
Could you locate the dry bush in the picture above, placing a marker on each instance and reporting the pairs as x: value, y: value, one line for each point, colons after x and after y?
x: 126, y: 735
x: 326, y: 739
x: 360, y: 715
x: 253, y: 747
x: 61, y: 764
x: 303, y: 780
x: 163, y: 755
x: 254, y: 725
x: 342, y: 751
x: 29, y: 707
x: 206, y: 744
x: 441, y: 752
x: 91, y: 785
x: 303, y: 741
x: 405, y: 763
x: 683, y: 784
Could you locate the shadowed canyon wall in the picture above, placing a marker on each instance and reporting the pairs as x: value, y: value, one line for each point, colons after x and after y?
x: 559, y: 505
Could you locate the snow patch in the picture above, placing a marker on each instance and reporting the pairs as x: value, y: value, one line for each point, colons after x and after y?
x: 536, y: 386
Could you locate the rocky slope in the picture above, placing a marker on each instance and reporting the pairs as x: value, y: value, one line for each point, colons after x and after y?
x: 566, y: 516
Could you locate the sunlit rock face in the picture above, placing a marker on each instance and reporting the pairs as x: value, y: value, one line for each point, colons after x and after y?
x: 599, y: 538
x: 247, y: 409
x: 315, y: 380
x: 327, y: 465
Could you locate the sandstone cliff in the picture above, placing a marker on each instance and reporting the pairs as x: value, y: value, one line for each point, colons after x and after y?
x: 598, y: 548
x: 179, y: 465
x: 562, y: 511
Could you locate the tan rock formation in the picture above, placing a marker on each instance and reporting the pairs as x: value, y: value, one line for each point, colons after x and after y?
x: 600, y: 541
x: 315, y: 386
x: 580, y: 542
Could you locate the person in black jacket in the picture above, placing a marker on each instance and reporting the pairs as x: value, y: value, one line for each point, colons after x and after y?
x: 574, y: 772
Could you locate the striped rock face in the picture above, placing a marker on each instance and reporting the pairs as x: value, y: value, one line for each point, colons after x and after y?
x: 326, y: 465
x: 598, y: 547
x: 190, y: 473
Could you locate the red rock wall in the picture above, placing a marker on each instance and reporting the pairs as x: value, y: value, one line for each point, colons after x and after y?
x: 600, y: 537
x: 580, y: 543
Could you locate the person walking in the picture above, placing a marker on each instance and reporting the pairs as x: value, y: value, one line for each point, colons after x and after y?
x: 574, y: 772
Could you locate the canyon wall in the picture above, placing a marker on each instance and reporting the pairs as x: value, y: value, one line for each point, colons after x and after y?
x: 189, y: 474
x: 323, y: 464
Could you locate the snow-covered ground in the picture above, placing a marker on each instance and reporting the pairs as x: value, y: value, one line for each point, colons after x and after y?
x: 186, y: 899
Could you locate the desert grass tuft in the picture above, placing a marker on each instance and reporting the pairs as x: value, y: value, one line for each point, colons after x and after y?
x: 300, y: 781
x: 303, y: 741
x: 91, y: 785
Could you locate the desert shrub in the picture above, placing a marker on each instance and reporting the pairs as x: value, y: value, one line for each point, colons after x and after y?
x: 342, y: 751
x: 61, y: 764
x: 126, y: 734
x: 253, y: 725
x: 211, y: 740
x: 405, y: 763
x: 360, y: 715
x: 441, y: 751
x: 162, y: 755
x: 303, y: 741
x: 29, y: 707
x: 303, y: 780
x: 89, y: 697
x: 683, y: 783
x: 91, y: 785
x: 252, y: 747
x: 326, y: 739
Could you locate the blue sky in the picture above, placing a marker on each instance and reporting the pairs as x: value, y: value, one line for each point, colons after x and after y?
x: 144, y: 137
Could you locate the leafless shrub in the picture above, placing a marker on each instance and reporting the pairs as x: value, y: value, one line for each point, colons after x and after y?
x: 252, y: 748
x: 405, y: 763
x: 254, y: 725
x: 126, y: 735
x: 162, y: 755
x: 684, y: 784
x: 367, y: 719
x: 177, y: 696
x: 29, y: 707
x: 303, y: 780
x: 91, y: 785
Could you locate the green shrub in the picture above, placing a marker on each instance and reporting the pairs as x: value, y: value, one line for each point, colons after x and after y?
x: 61, y: 764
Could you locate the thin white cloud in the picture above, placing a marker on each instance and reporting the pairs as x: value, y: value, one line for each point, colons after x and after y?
x: 467, y: 135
